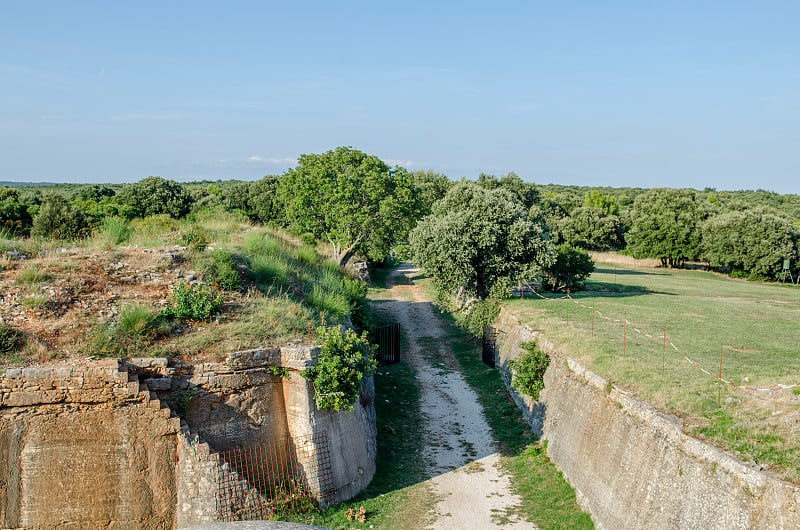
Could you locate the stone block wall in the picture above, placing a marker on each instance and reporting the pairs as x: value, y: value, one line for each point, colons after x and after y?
x: 99, y: 445
x: 82, y: 447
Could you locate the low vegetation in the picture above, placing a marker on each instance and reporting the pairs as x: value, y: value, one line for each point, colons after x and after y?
x: 527, y: 370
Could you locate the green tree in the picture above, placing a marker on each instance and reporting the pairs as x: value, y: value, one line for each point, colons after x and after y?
x: 526, y: 192
x: 154, y: 196
x: 592, y: 229
x: 665, y: 225
x: 262, y: 201
x: 56, y: 219
x: 14, y: 214
x: 571, y: 266
x: 431, y: 187
x: 351, y: 199
x: 476, y: 238
x: 596, y: 199
x: 751, y: 242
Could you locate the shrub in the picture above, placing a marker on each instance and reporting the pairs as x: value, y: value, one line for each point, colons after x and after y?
x: 57, y: 220
x: 193, y: 302
x: 114, y: 230
x: 307, y: 255
x: 155, y: 195
x: 344, y: 359
x: 571, y: 267
x: 308, y: 239
x: 195, y: 238
x: 527, y: 371
x: 9, y: 338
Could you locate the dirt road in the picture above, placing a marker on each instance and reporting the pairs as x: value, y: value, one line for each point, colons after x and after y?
x: 472, y: 491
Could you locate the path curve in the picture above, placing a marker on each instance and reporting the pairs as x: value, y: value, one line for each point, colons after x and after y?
x: 460, y: 456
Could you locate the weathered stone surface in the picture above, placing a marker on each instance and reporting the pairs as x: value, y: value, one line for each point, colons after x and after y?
x: 87, y: 446
x: 632, y: 466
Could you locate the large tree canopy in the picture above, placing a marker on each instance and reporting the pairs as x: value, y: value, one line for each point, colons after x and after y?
x: 753, y: 241
x: 351, y: 199
x: 665, y: 225
x: 476, y: 238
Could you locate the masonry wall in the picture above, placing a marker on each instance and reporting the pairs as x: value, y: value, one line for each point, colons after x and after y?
x: 98, y: 445
x: 632, y: 466
x: 79, y: 448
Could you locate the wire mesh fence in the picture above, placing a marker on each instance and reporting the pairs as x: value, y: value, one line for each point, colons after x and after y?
x: 267, y: 481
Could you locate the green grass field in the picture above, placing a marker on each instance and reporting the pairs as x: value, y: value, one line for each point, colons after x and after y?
x: 753, y: 325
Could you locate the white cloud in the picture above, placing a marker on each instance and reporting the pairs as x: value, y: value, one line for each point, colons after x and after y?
x: 404, y: 163
x: 271, y: 160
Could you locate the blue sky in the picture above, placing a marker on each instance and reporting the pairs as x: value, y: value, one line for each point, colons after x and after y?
x: 696, y: 94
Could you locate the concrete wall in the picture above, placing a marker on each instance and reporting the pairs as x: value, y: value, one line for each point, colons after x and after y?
x: 98, y: 445
x: 632, y: 466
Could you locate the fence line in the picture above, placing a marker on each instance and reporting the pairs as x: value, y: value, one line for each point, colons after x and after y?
x: 695, y: 364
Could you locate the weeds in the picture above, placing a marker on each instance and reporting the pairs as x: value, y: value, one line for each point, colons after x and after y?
x: 32, y: 275
x: 193, y: 302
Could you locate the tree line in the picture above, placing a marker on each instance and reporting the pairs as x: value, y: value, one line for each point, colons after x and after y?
x: 481, y: 228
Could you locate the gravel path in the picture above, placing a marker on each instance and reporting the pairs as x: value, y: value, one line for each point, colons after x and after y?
x: 460, y: 457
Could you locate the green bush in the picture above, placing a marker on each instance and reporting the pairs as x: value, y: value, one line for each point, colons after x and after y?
x: 217, y: 269
x: 344, y: 359
x: 57, y: 220
x: 572, y: 266
x: 195, y: 238
x: 154, y: 196
x: 136, y: 327
x: 527, y: 371
x: 307, y: 255
x: 308, y: 239
x: 114, y: 230
x: 193, y: 302
x: 9, y: 338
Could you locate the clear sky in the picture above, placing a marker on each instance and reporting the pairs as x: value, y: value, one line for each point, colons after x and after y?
x: 695, y: 94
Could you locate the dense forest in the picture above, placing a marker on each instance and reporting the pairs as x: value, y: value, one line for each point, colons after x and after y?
x: 362, y: 207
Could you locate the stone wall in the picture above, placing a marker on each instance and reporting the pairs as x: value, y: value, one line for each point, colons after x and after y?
x: 82, y: 447
x: 631, y: 465
x: 99, y: 445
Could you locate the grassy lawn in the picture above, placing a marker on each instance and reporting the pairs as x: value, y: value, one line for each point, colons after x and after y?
x: 753, y: 325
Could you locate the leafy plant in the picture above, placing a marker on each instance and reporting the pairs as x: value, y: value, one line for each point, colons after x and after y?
x: 114, y: 230
x: 195, y: 238
x: 527, y: 371
x: 9, y: 338
x: 192, y: 302
x: 571, y: 267
x: 56, y: 219
x: 344, y: 359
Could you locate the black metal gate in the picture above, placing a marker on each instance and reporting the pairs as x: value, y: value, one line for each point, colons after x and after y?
x: 388, y: 343
x: 490, y: 345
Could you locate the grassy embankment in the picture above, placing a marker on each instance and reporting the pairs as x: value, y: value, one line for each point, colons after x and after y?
x: 274, y: 288
x: 754, y: 325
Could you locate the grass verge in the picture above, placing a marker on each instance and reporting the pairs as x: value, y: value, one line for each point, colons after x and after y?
x: 396, y: 497
x: 547, y: 499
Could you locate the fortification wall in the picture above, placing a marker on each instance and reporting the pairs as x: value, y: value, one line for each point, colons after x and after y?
x: 631, y: 465
x: 99, y: 445
x: 81, y: 447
